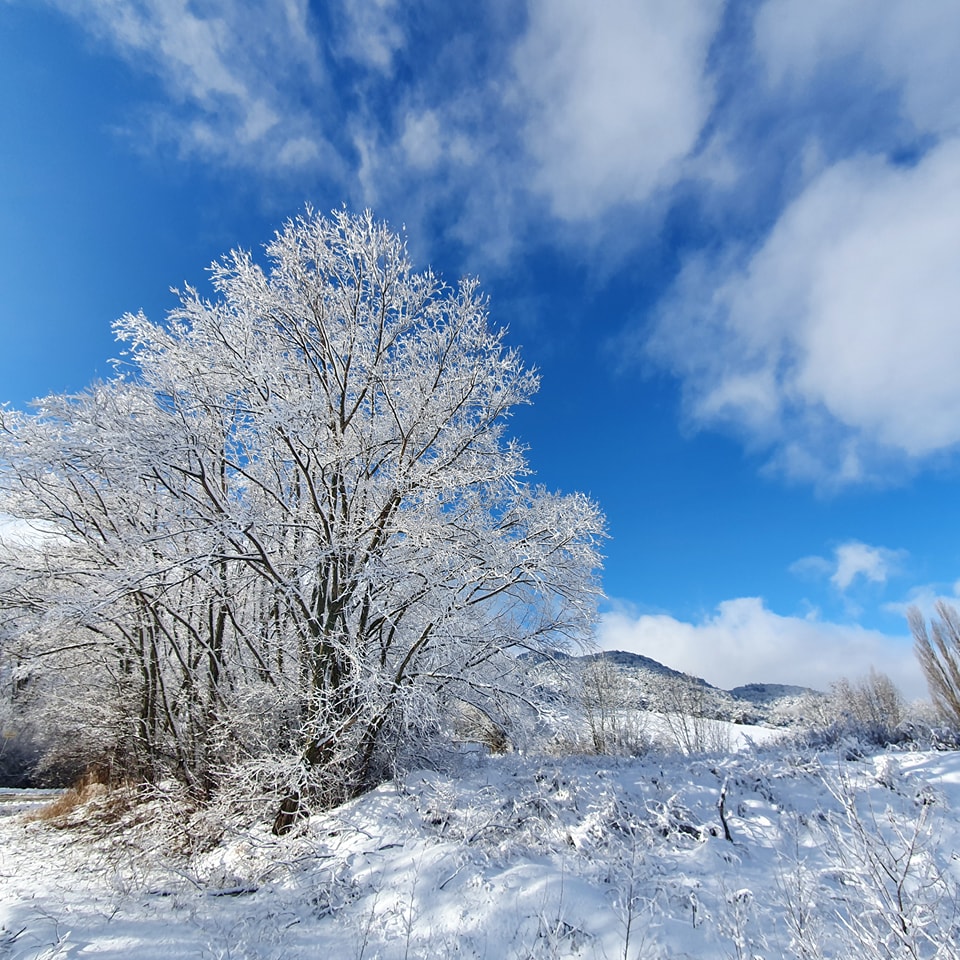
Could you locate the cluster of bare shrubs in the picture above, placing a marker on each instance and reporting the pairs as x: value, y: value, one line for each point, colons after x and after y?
x: 614, y: 724
x: 873, y: 710
x: 612, y: 714
x: 692, y: 716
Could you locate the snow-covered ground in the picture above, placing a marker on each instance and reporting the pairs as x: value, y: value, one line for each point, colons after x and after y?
x: 830, y: 855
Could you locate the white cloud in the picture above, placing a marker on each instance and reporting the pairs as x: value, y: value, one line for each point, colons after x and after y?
x: 588, y: 108
x: 851, y: 560
x: 744, y: 642
x: 235, y: 73
x: 614, y: 97
x: 812, y: 567
x: 584, y: 109
x: 298, y: 152
x: 925, y: 598
x: 373, y: 35
x: 909, y: 47
x: 837, y: 340
x: 857, y: 559
x: 421, y: 139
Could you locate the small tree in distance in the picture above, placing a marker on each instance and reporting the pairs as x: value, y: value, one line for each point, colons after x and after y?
x: 292, y: 526
x: 939, y: 654
x: 610, y: 708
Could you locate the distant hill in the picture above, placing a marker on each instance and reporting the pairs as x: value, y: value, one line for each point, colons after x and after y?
x: 637, y: 661
x: 767, y: 703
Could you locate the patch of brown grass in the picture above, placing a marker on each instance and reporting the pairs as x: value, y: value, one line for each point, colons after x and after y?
x: 90, y: 800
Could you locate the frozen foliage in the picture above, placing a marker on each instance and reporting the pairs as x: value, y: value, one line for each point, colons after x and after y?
x: 517, y: 858
x: 290, y: 540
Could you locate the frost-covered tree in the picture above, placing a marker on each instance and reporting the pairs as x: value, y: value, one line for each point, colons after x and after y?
x: 292, y: 525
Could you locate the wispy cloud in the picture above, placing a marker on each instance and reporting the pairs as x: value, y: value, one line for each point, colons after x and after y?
x: 372, y: 34
x: 563, y: 115
x: 495, y: 120
x: 614, y: 98
x: 817, y: 144
x: 744, y: 642
x: 910, y: 48
x: 241, y: 80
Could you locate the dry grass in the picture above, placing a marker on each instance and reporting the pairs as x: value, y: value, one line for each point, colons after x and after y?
x: 90, y: 800
x: 122, y: 817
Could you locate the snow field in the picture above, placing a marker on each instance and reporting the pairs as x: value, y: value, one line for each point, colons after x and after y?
x: 522, y: 857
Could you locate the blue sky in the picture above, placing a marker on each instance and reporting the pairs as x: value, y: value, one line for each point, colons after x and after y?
x: 727, y: 234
